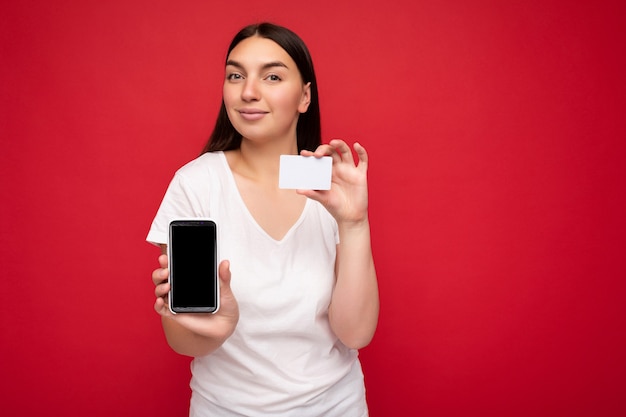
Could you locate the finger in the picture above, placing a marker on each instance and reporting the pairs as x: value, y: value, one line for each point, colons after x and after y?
x: 362, y: 154
x: 228, y: 303
x: 162, y: 290
x: 343, y: 149
x: 160, y: 275
x: 161, y: 307
x: 318, y: 195
x: 158, y: 305
x: 163, y: 260
x: 329, y: 150
x: 225, y: 275
x: 322, y: 150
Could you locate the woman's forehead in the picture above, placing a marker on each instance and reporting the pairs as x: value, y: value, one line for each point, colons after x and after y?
x: 258, y: 51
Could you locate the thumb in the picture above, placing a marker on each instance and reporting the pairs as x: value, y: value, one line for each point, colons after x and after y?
x: 321, y: 196
x: 224, y: 274
x: 228, y: 304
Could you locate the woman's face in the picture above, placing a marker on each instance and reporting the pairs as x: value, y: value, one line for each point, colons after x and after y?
x: 263, y: 91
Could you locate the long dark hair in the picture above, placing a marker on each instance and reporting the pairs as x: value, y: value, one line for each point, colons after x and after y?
x: 308, y: 129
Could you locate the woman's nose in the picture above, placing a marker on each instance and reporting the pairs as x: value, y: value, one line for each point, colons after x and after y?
x: 250, y: 90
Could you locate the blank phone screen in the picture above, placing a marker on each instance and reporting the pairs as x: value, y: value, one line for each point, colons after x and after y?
x: 193, y: 272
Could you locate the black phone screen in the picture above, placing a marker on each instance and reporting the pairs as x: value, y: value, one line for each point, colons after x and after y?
x: 193, y: 266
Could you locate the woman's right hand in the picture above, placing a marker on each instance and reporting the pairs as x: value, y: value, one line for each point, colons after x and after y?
x: 218, y: 326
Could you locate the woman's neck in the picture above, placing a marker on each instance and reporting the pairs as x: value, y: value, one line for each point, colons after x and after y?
x: 262, y: 161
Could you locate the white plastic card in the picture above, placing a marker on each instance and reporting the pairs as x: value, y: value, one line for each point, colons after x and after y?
x: 305, y: 172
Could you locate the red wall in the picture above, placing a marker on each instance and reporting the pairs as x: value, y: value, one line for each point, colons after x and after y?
x: 497, y: 139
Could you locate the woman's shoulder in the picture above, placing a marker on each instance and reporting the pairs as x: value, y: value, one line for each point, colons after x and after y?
x: 203, y: 165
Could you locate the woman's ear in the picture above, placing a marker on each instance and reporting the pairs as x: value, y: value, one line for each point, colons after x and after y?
x: 306, y: 98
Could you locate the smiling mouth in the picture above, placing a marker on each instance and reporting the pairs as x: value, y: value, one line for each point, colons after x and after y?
x: 252, y: 114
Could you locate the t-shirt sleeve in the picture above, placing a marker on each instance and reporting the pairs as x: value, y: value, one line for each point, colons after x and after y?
x: 179, y: 202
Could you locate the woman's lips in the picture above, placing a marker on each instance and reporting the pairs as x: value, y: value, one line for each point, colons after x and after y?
x: 252, y: 114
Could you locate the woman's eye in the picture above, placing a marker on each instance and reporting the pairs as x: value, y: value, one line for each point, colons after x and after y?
x: 273, y: 77
x: 234, y: 77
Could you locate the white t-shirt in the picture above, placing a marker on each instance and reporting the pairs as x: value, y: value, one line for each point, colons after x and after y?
x: 283, y: 358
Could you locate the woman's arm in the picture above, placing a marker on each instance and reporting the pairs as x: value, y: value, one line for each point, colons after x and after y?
x: 195, y: 334
x: 354, y: 307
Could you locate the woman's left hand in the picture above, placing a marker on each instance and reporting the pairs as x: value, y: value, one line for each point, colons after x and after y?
x: 347, y: 198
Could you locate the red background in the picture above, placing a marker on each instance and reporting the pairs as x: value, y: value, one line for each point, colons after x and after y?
x: 497, y: 139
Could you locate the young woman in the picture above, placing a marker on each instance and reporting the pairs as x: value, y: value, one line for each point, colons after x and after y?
x: 299, y: 293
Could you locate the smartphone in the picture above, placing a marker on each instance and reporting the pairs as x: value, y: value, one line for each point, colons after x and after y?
x: 192, y: 255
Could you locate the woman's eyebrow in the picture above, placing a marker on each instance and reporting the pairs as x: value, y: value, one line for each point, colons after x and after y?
x: 265, y: 66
